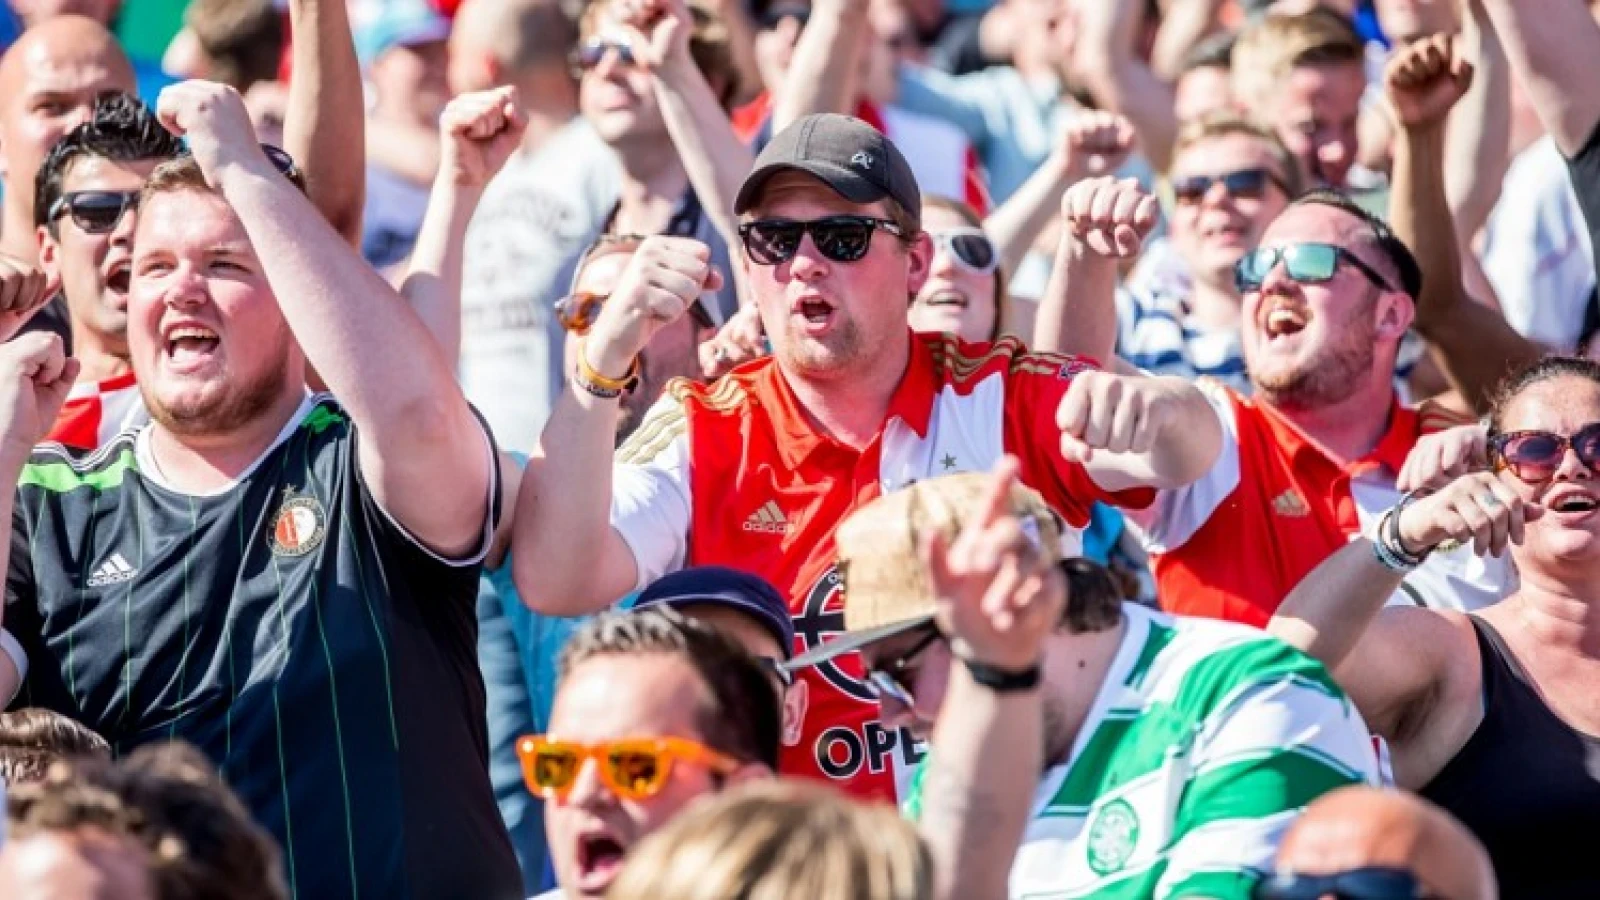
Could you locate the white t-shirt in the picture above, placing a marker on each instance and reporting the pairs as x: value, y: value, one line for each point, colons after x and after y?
x: 535, y: 219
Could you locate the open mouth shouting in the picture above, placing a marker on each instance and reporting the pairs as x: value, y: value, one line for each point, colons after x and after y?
x: 188, y: 347
x: 600, y: 857
x: 118, y: 276
x: 1282, y: 322
x: 1571, y: 504
x: 814, y: 315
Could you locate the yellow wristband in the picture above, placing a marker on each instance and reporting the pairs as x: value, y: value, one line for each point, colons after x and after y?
x: 587, y: 372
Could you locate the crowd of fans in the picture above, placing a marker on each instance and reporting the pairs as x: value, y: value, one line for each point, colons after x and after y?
x: 880, y: 449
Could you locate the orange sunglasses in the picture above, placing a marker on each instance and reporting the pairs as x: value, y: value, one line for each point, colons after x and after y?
x: 634, y: 768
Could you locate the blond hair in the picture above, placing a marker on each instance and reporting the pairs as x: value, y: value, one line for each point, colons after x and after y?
x: 1223, y: 123
x: 1275, y: 44
x: 780, y: 840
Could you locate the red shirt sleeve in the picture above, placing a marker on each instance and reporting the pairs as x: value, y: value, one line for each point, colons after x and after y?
x: 1034, y: 388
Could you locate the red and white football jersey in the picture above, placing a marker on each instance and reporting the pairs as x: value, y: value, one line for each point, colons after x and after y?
x: 96, y: 411
x: 733, y: 474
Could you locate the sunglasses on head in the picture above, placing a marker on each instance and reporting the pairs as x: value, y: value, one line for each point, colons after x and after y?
x: 280, y: 159
x: 633, y: 768
x: 770, y: 242
x: 594, y: 51
x: 1305, y: 264
x: 578, y: 311
x: 1247, y: 183
x: 969, y: 247
x: 94, y: 212
x: 1370, y: 883
x: 889, y: 679
x: 1534, y: 456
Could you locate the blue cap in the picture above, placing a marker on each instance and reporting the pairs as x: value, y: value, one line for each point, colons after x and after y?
x: 397, y: 23
x: 721, y: 586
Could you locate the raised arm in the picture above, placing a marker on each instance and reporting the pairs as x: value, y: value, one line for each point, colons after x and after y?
x: 980, y: 782
x: 1474, y: 345
x: 319, y: 128
x: 823, y: 73
x: 371, y: 349
x: 1478, y: 146
x: 713, y: 156
x: 1108, y: 61
x: 1185, y: 24
x: 569, y: 559
x: 1104, y: 221
x: 1094, y: 144
x: 1552, y: 45
x: 35, y: 376
x: 479, y: 132
x: 1394, y: 663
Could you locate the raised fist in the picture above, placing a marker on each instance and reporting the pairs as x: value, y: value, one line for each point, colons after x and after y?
x: 1109, y: 217
x: 1425, y: 79
x: 1096, y: 144
x: 665, y: 275
x: 481, y: 130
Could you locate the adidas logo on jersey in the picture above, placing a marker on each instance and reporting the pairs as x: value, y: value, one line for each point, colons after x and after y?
x: 114, y: 570
x: 769, y: 519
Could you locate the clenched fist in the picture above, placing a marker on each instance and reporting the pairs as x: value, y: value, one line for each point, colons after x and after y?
x: 1481, y: 507
x: 1096, y: 144
x: 1110, y: 218
x: 35, y: 376
x: 665, y: 275
x: 480, y: 131
x: 1117, y: 413
x: 213, y: 119
x: 1425, y: 79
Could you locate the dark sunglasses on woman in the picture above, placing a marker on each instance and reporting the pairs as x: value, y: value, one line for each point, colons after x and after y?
x: 969, y: 247
x: 1305, y: 263
x: 1534, y: 456
x: 1370, y: 883
x: 594, y: 51
x: 1249, y: 184
x: 770, y: 242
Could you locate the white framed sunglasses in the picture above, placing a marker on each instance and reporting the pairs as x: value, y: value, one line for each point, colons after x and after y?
x: 970, y: 247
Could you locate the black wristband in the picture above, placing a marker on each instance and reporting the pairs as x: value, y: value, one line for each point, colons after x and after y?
x: 1003, y: 681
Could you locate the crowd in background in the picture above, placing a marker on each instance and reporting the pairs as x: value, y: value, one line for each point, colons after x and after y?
x: 875, y: 449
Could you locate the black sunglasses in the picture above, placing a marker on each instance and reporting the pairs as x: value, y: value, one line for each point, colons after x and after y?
x: 969, y: 247
x: 594, y: 51
x: 1370, y: 883
x: 1247, y: 183
x: 889, y: 678
x: 770, y: 242
x: 1305, y: 263
x: 280, y: 159
x: 1534, y: 456
x: 94, y: 212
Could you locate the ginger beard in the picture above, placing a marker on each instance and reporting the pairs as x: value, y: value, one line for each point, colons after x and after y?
x: 209, y: 343
x: 1331, y: 362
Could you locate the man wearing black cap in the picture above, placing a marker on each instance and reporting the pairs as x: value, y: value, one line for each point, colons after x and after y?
x: 756, y: 469
x: 748, y: 609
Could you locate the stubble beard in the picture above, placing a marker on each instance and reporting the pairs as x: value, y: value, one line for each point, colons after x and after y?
x: 1328, y: 378
x: 236, y: 406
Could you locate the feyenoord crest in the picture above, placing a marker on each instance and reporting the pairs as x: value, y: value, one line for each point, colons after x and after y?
x: 299, y: 526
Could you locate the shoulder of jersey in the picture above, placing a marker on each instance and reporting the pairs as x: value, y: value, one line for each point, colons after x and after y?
x: 82, y: 461
x: 1216, y: 389
x: 961, y: 363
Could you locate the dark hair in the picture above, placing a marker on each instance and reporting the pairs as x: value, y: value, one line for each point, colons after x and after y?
x: 1546, y: 369
x: 1094, y: 601
x: 242, y: 39
x: 1393, y: 249
x: 121, y: 129
x: 1212, y: 52
x: 742, y: 720
x: 200, y: 841
x: 32, y: 739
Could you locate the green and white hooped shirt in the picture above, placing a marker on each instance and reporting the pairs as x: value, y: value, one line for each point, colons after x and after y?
x: 1205, y: 741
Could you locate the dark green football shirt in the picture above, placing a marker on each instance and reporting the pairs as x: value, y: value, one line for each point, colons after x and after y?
x: 291, y: 630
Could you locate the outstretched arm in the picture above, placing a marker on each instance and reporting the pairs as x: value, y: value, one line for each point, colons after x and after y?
x: 319, y: 128
x: 1552, y: 45
x: 822, y: 74
x: 1121, y: 82
x: 1472, y: 343
x: 368, y: 345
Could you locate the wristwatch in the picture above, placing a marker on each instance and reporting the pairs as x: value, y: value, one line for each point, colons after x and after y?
x: 1003, y: 681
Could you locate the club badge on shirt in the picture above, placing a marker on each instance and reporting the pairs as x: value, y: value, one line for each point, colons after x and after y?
x: 299, y: 526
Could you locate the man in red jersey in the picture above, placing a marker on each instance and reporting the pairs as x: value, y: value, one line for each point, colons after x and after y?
x: 756, y: 469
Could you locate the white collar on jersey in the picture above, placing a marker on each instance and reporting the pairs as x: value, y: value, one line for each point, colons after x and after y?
x: 150, y: 470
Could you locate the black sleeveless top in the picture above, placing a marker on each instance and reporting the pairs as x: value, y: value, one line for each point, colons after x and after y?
x: 1527, y: 784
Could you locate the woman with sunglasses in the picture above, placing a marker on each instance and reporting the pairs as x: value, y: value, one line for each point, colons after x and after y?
x: 965, y: 294
x: 1494, y: 716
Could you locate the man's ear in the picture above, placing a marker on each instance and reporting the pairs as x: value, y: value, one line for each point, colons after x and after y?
x: 919, y: 257
x: 1395, y: 312
x: 49, y: 254
x: 796, y: 700
x: 750, y: 771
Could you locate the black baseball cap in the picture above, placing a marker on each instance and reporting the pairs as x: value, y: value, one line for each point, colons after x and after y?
x: 721, y: 586
x: 846, y: 154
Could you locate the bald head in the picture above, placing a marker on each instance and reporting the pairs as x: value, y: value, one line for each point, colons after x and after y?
x: 1356, y: 827
x: 49, y: 81
x: 500, y: 41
